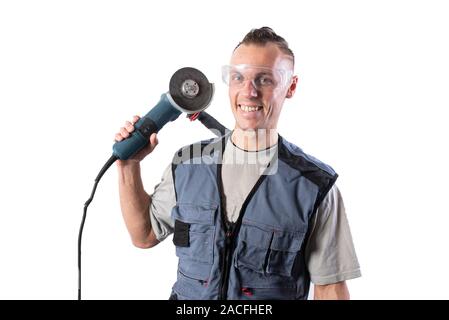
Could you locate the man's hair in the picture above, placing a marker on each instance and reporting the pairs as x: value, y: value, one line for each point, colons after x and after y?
x: 265, y: 35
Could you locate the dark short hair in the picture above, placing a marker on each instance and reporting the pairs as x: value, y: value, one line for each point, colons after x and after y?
x: 265, y: 35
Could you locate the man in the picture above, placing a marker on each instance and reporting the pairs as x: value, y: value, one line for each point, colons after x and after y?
x: 253, y: 216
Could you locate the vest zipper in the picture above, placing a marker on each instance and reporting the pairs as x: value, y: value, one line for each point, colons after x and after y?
x: 227, y: 259
x: 231, y: 229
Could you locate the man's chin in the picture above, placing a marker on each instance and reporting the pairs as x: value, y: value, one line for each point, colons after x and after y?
x: 248, y: 126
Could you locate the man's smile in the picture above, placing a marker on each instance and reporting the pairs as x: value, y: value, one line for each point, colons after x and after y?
x: 249, y: 108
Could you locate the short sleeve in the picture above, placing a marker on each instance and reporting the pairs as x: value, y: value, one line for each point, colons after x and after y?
x: 163, y: 200
x: 330, y: 252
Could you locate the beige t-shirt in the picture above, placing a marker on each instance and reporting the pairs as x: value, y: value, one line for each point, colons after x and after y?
x: 330, y: 253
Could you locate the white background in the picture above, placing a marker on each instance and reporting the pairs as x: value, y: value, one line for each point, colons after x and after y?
x: 372, y: 102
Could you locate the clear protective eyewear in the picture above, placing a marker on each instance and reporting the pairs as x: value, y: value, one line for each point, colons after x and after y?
x: 262, y: 78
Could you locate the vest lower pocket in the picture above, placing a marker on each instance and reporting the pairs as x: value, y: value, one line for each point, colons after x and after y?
x: 265, y: 257
x: 284, y: 249
x: 194, y: 239
x: 275, y: 293
x: 189, y: 288
x: 200, y: 247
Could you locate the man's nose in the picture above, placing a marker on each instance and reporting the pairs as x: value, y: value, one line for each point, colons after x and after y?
x: 249, y: 89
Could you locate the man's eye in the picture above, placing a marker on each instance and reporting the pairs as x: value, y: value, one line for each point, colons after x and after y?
x: 265, y: 81
x: 236, y: 77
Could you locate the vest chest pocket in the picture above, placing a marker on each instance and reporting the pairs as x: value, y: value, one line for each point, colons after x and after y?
x: 265, y: 257
x: 194, y: 238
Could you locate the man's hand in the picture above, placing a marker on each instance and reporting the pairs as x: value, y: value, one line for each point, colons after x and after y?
x: 335, y: 291
x: 124, y: 133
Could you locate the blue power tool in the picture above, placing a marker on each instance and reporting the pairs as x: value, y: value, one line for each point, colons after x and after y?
x: 190, y: 92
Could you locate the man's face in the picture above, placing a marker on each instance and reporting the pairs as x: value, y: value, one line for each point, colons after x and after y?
x: 254, y: 104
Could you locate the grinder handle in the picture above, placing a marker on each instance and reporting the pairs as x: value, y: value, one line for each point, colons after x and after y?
x: 152, y: 122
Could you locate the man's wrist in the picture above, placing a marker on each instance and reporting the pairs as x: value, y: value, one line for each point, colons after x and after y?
x: 128, y: 167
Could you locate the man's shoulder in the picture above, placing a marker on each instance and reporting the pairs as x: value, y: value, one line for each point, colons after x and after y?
x: 309, y: 166
x: 290, y: 152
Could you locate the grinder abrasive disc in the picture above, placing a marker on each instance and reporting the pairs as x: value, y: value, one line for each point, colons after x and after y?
x: 191, y: 90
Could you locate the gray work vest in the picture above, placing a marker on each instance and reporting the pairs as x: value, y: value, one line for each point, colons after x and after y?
x: 261, y: 255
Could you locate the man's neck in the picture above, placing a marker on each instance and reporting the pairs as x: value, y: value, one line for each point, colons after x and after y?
x: 254, y: 140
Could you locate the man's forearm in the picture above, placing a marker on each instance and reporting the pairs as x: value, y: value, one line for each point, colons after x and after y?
x: 135, y: 204
x: 335, y: 291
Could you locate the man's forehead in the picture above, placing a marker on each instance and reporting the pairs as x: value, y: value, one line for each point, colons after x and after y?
x: 268, y: 55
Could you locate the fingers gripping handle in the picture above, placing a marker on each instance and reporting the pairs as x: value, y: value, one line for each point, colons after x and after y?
x: 126, y: 148
x: 152, y: 122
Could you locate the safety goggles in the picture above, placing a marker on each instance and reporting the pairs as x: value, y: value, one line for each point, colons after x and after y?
x: 262, y: 78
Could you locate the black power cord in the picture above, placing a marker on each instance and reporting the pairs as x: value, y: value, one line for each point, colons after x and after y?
x: 106, y: 166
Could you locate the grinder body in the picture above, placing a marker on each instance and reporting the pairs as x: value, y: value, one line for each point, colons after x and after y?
x: 152, y: 122
x: 190, y: 92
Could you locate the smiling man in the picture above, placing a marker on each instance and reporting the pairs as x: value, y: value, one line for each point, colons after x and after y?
x: 253, y: 216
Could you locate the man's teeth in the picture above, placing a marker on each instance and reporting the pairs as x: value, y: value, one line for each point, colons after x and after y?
x: 249, y: 108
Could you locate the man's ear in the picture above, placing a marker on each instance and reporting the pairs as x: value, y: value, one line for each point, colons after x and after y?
x: 291, y: 90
